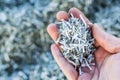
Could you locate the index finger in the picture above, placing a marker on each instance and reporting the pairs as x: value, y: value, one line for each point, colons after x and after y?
x: 76, y: 13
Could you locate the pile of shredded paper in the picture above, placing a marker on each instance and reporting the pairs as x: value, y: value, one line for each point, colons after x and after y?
x: 76, y: 42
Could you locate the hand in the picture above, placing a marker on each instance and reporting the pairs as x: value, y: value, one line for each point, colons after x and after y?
x: 107, y: 62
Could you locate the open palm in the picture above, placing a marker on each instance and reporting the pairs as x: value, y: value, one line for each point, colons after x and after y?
x: 107, y: 63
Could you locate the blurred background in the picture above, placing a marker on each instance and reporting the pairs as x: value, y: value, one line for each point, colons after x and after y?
x: 24, y: 42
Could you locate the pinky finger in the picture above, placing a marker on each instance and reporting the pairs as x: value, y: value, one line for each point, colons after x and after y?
x: 65, y: 66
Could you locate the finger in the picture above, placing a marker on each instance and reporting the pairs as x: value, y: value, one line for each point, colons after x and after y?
x: 52, y: 28
x: 53, y: 31
x: 96, y: 44
x: 100, y: 55
x: 87, y: 69
x: 62, y: 15
x: 76, y: 13
x: 105, y: 40
x: 85, y: 76
x: 67, y: 68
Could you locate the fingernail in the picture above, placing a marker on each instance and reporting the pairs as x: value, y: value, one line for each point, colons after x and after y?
x: 90, y: 23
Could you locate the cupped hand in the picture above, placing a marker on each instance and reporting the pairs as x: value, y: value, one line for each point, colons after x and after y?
x: 107, y: 55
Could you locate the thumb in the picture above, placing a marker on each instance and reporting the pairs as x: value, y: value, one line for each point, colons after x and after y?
x: 105, y: 40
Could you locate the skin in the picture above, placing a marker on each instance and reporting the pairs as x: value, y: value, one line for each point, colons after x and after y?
x: 107, y: 55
